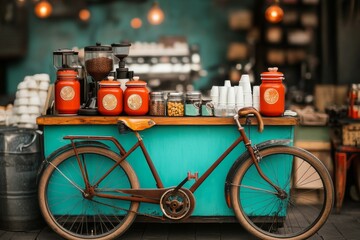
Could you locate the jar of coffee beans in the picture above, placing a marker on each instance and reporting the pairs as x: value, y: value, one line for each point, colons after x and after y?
x: 157, y: 104
x: 175, y: 104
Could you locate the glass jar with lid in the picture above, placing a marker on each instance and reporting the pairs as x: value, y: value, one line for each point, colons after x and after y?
x: 157, y: 104
x: 175, y: 104
x: 193, y: 104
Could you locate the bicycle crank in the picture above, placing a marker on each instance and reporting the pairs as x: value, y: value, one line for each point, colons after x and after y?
x: 177, y: 204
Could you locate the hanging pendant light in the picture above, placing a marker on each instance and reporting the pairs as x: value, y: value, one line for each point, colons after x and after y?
x: 274, y: 13
x: 43, y: 9
x: 155, y: 15
x: 84, y: 15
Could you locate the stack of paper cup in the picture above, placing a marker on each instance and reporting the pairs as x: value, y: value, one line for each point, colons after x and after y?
x: 231, y: 100
x: 245, y: 83
x: 214, y: 94
x: 256, y: 97
x: 220, y: 108
x: 239, y: 98
x: 227, y: 83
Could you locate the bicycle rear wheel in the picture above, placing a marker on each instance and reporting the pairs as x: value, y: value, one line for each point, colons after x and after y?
x: 300, y: 212
x: 65, y: 206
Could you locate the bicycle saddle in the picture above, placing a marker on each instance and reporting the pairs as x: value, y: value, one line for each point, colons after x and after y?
x: 136, y: 124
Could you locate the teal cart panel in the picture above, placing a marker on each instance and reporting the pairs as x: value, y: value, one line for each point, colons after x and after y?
x: 176, y: 150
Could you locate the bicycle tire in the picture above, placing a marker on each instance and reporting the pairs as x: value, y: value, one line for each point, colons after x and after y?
x: 299, y: 214
x: 69, y: 213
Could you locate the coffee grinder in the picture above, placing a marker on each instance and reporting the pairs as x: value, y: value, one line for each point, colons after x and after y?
x: 98, y: 65
x: 67, y: 86
x: 121, y: 51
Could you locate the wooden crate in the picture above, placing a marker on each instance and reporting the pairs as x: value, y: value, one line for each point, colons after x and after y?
x: 351, y: 134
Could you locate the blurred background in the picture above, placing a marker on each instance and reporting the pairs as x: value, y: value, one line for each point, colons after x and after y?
x: 194, y: 44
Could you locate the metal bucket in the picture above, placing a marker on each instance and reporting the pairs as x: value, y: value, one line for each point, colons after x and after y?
x: 20, y: 159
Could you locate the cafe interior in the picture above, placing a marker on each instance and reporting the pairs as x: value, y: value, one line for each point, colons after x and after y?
x: 193, y: 45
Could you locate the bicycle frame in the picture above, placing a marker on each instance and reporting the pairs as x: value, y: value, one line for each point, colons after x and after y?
x: 154, y: 195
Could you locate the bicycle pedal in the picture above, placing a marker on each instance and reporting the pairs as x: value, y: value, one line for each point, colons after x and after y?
x: 193, y: 176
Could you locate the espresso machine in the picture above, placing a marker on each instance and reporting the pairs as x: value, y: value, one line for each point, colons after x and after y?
x: 98, y: 65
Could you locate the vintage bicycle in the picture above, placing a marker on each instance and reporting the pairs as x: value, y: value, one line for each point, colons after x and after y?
x: 88, y: 191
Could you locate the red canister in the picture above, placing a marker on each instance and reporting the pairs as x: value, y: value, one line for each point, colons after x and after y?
x: 272, y: 93
x: 67, y: 92
x: 110, y: 98
x: 136, y: 98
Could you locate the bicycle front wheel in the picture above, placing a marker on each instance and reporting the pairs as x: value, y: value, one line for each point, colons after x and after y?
x: 299, y: 211
x: 70, y: 212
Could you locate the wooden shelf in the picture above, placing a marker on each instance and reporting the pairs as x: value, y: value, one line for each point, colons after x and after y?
x: 112, y: 120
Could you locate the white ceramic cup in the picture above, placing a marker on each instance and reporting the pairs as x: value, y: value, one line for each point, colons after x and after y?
x: 34, y: 109
x: 22, y: 85
x: 23, y: 93
x: 43, y: 85
x: 22, y: 101
x: 22, y: 109
x: 35, y: 101
x: 32, y: 84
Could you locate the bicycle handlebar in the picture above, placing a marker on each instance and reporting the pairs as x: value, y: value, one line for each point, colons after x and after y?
x: 250, y: 110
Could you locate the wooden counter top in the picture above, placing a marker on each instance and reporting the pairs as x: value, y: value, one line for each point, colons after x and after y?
x: 112, y: 120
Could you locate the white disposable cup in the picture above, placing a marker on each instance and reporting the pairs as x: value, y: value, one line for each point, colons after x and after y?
x: 214, y: 92
x: 223, y: 95
x: 239, y: 106
x: 227, y: 83
x: 231, y: 96
x: 248, y: 100
x: 256, y: 90
x: 239, y: 95
x: 245, y: 83
x: 236, y: 90
x: 256, y: 99
x: 256, y: 106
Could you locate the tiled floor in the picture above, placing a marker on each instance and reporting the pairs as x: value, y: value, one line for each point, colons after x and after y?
x: 345, y: 225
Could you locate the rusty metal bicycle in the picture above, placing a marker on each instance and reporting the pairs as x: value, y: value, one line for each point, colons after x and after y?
x: 88, y: 191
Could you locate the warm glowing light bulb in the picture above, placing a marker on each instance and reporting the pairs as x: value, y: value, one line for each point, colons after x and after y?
x: 155, y: 15
x: 274, y: 14
x: 136, y: 23
x: 43, y: 9
x: 84, y: 15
